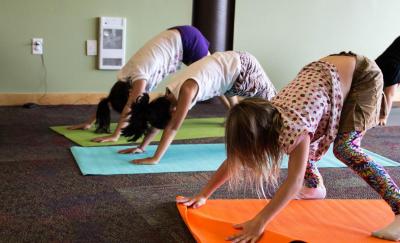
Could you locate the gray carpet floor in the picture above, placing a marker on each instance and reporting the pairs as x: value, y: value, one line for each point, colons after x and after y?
x: 44, y: 197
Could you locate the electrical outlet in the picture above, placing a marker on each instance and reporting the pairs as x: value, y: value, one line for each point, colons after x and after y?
x: 37, y: 46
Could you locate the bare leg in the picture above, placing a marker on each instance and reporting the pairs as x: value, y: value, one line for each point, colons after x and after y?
x: 225, y: 101
x: 228, y: 101
x: 233, y: 100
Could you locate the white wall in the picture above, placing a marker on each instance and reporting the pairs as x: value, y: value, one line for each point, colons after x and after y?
x: 287, y: 34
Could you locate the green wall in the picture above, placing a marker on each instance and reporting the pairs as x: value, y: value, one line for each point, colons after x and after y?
x: 65, y: 26
x: 283, y: 34
x: 287, y: 34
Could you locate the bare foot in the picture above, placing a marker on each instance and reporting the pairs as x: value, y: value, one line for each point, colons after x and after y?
x: 391, y: 231
x: 311, y: 193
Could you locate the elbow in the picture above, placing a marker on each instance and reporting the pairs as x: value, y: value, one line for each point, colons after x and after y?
x: 389, y: 92
x: 173, y: 126
x: 389, y: 97
x: 295, y: 184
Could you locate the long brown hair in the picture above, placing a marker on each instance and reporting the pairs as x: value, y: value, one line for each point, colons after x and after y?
x: 251, y: 136
x: 145, y: 115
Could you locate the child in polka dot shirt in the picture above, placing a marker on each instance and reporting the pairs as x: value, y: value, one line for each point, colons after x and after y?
x: 333, y: 100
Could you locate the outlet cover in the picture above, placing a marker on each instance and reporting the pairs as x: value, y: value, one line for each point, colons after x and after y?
x: 37, y: 46
x: 91, y: 47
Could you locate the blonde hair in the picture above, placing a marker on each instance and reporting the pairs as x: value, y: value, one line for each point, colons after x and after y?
x: 251, y: 136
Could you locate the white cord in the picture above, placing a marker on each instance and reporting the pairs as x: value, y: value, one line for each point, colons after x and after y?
x: 44, y: 80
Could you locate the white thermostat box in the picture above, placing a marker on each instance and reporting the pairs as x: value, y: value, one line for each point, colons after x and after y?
x: 112, y: 42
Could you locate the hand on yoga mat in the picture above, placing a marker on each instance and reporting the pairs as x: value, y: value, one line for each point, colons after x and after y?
x: 194, y: 202
x: 251, y: 231
x: 110, y: 138
x: 136, y: 150
x: 82, y: 126
x: 146, y: 161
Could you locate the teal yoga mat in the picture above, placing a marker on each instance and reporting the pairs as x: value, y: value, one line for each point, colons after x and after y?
x: 178, y: 158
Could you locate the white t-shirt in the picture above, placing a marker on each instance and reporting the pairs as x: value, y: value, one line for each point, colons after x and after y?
x: 159, y: 57
x: 214, y: 75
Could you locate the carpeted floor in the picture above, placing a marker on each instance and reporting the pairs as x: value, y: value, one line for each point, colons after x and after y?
x: 44, y: 198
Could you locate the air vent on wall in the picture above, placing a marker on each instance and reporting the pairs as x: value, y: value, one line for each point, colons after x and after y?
x: 112, y: 43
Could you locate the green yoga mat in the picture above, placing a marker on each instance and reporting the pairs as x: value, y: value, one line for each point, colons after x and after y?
x: 178, y: 158
x: 191, y: 129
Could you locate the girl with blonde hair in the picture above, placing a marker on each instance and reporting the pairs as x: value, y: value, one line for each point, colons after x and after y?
x: 335, y: 99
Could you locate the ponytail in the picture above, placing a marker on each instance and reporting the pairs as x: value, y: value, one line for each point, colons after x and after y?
x: 145, y: 114
x: 138, y: 124
x: 103, y: 117
x: 117, y: 98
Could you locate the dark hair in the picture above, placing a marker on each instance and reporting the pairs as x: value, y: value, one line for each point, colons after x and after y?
x: 118, y: 97
x: 252, y: 133
x: 144, y: 115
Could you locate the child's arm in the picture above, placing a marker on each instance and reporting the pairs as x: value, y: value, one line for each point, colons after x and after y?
x: 138, y: 87
x: 142, y: 147
x: 186, y: 94
x: 253, y: 229
x: 86, y: 125
x: 390, y: 92
x: 218, y: 179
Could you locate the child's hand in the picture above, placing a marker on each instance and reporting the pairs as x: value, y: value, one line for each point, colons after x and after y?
x: 252, y: 230
x: 111, y: 138
x: 146, y: 161
x: 136, y: 150
x: 194, y: 202
x: 83, y: 126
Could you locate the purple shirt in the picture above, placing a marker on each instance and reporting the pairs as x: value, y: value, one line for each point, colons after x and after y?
x: 195, y: 45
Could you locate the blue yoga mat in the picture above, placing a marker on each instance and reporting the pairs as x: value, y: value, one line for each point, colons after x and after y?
x: 178, y: 158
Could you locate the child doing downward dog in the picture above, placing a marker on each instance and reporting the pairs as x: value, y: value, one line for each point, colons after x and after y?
x: 335, y: 99
x: 159, y: 57
x: 227, y: 73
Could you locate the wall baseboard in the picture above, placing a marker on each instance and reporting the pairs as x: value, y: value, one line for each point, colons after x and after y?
x: 9, y: 99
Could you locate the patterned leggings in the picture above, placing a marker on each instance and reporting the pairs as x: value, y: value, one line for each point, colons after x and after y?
x: 252, y: 80
x: 347, y: 149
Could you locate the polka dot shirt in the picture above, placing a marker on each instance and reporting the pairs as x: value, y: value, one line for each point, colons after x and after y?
x: 311, y: 104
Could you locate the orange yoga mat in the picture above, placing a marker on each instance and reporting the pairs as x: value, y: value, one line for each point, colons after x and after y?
x: 344, y: 221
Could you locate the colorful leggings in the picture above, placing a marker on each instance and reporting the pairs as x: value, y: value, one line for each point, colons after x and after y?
x: 347, y: 149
